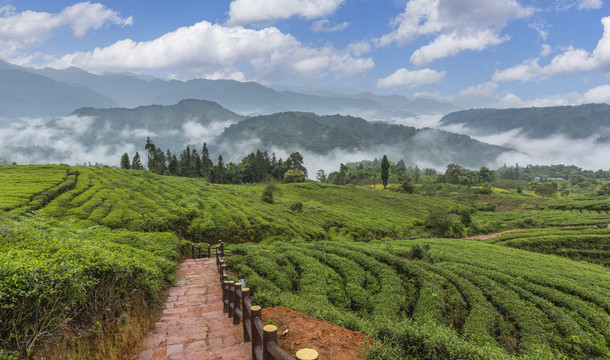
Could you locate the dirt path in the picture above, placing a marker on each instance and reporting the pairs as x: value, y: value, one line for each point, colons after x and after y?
x: 193, y: 325
x: 489, y: 236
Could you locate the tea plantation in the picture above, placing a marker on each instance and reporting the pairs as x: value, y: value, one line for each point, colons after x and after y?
x: 79, y: 246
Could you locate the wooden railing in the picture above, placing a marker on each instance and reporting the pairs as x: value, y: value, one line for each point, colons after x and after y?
x: 236, y: 303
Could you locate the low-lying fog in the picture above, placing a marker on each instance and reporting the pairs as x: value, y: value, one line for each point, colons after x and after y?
x: 34, y: 142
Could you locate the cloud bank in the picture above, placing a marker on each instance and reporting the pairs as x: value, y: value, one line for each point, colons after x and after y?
x: 19, y: 30
x: 212, y: 51
x: 459, y: 25
x: 405, y: 78
x: 267, y: 11
x: 569, y: 62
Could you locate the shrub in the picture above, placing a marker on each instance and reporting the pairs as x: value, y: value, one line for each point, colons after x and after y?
x: 294, y: 176
x: 297, y: 206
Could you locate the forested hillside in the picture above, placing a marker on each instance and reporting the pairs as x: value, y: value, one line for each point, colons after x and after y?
x: 295, y: 131
x: 574, y: 122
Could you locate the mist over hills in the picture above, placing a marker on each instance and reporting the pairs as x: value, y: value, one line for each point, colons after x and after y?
x: 90, y: 134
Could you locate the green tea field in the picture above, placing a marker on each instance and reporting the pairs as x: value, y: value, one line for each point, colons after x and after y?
x: 81, y: 247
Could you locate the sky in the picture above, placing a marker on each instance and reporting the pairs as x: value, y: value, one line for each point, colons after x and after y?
x: 473, y: 53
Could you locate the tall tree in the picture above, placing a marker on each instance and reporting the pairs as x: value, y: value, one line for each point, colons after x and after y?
x: 136, y: 162
x: 321, y: 176
x: 295, y: 161
x: 206, y: 163
x: 173, y: 165
x: 152, y: 152
x: 125, y: 163
x: 220, y: 171
x: 453, y: 173
x: 385, y: 171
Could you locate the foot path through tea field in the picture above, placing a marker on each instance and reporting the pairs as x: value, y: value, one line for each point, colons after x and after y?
x: 192, y: 325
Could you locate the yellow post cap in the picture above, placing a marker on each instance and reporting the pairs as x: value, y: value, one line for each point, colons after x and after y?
x: 255, y: 308
x: 270, y: 328
x: 307, y: 354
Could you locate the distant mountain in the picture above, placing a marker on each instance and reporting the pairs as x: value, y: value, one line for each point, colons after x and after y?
x: 25, y: 94
x: 248, y: 98
x: 189, y: 121
x: 298, y: 131
x: 574, y: 122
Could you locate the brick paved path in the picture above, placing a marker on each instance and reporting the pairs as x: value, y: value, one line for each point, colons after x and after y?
x: 193, y: 325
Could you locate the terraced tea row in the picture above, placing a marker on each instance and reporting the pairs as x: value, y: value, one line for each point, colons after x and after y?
x: 459, y: 299
x: 588, y: 244
x: 196, y: 209
x: 27, y: 188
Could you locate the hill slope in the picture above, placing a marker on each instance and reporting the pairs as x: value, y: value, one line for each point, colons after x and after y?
x: 574, y: 122
x: 296, y: 131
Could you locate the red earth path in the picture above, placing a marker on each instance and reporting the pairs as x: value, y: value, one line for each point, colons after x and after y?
x: 192, y: 325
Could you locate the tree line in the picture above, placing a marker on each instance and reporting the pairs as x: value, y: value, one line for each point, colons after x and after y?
x: 256, y: 167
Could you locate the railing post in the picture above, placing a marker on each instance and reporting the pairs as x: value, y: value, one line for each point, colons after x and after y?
x: 230, y: 297
x: 269, y: 335
x: 225, y: 297
x: 307, y: 354
x: 209, y: 251
x: 245, y: 298
x: 256, y: 340
x: 236, y: 302
x: 223, y: 270
x: 193, y: 251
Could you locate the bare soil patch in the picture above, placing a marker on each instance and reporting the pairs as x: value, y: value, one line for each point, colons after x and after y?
x: 297, y: 330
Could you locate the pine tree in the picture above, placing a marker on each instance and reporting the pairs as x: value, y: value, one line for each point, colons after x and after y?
x: 206, y: 163
x: 220, y: 171
x: 136, y: 162
x: 385, y: 171
x: 125, y: 163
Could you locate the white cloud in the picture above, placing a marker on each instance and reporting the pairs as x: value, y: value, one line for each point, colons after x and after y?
x: 322, y: 26
x: 546, y: 50
x: 562, y: 5
x: 569, y: 62
x: 590, y: 4
x: 454, y: 43
x: 212, y: 50
x: 526, y: 71
x: 600, y: 94
x: 405, y: 78
x: 267, y: 11
x: 541, y: 29
x: 487, y: 89
x: 455, y: 23
x: 27, y: 28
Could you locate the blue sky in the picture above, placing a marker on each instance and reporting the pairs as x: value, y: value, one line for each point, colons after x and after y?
x: 502, y: 53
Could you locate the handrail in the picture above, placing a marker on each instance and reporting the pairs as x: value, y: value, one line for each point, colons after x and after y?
x: 236, y: 303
